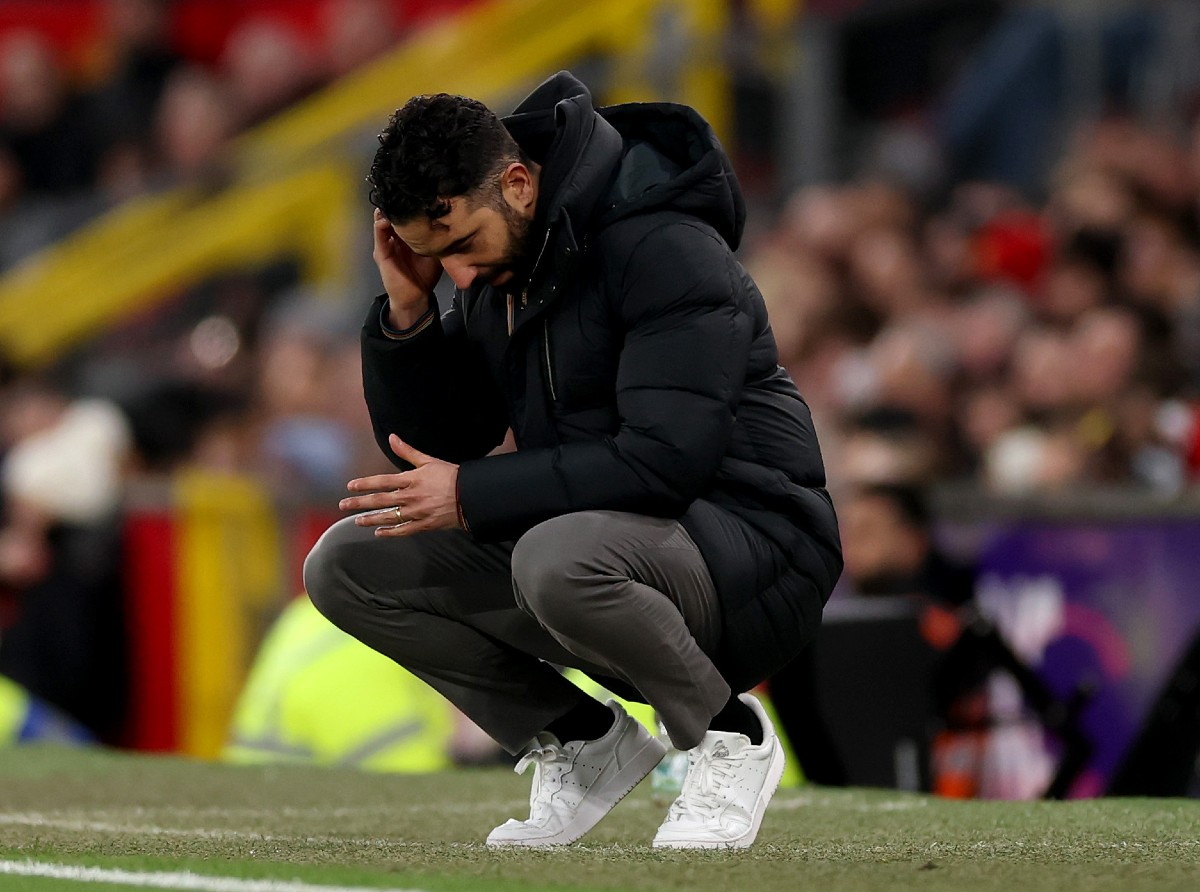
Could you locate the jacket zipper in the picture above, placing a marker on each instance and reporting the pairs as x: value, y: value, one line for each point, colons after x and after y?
x: 512, y: 321
x: 545, y: 324
x: 549, y: 364
x: 533, y: 271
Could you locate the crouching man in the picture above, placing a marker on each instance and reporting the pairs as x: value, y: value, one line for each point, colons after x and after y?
x: 663, y: 523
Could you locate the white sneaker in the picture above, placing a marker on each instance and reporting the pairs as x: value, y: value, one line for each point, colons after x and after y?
x: 726, y: 791
x: 577, y: 783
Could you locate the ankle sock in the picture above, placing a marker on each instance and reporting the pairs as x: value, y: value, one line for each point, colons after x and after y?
x: 737, y: 717
x: 587, y: 720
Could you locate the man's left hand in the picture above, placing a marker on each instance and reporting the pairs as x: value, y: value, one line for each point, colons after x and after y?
x: 407, y: 502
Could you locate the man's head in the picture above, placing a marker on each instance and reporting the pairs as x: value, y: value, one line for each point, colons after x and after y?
x: 456, y: 186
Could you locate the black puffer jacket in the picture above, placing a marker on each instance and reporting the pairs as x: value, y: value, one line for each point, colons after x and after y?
x: 641, y: 374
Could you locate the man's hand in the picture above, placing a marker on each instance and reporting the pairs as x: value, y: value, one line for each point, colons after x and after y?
x: 407, y: 502
x: 408, y: 278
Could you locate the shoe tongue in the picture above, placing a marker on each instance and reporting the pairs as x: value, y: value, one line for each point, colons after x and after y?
x: 723, y: 744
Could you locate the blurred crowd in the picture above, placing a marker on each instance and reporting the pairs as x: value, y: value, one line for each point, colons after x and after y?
x: 248, y: 373
x: 79, y: 135
x: 244, y: 373
x: 1028, y: 346
x: 284, y: 407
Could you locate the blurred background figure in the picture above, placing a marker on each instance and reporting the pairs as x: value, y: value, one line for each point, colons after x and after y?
x: 827, y: 697
x: 61, y: 612
x: 49, y: 153
x: 317, y: 696
x: 356, y: 32
x: 196, y: 117
x: 310, y: 393
x: 25, y: 719
x: 890, y: 548
x: 43, y: 123
x: 132, y: 63
x: 941, y: 679
x: 265, y: 67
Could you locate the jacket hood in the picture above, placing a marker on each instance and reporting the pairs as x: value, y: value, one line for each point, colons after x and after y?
x: 578, y: 151
x: 674, y: 161
x: 601, y: 165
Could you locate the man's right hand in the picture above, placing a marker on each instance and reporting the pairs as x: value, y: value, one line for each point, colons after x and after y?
x: 408, y: 278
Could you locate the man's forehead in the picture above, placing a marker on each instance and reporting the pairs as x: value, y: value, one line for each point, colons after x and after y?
x: 420, y: 233
x: 423, y: 234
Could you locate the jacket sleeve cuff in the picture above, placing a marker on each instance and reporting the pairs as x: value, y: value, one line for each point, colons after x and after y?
x: 458, y: 507
x: 399, y: 334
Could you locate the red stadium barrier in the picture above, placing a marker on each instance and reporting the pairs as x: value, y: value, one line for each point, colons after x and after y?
x: 208, y: 565
x: 199, y: 28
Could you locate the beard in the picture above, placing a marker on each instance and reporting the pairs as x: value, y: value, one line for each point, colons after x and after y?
x: 517, y: 257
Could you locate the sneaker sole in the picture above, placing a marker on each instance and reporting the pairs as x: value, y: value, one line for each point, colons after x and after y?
x: 774, y: 776
x: 592, y: 810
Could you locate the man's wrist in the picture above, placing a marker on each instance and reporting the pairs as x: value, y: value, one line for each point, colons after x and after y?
x: 402, y: 318
x: 411, y: 323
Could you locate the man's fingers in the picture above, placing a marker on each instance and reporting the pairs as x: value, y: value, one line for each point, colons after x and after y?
x: 387, y: 517
x: 372, y: 502
x: 378, y: 483
x: 402, y: 529
x: 383, y: 234
x: 414, y: 457
x: 384, y: 518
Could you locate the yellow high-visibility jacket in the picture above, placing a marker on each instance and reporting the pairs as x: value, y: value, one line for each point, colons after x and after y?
x: 315, y: 695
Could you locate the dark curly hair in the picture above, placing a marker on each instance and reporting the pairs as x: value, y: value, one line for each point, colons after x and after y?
x: 435, y: 148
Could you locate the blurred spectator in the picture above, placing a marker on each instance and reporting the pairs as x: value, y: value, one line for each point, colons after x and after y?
x: 61, y: 621
x: 316, y: 696
x: 885, y: 445
x: 311, y: 415
x: 887, y: 539
x: 265, y: 67
x: 193, y: 124
x: 889, y: 552
x: 355, y: 31
x: 42, y: 123
x: 988, y: 323
x: 1034, y: 347
x: 178, y: 423
x: 132, y: 65
x: 991, y: 711
x: 71, y: 470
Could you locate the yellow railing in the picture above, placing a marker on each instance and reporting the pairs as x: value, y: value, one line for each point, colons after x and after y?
x: 296, y: 184
x: 150, y: 248
x: 229, y: 575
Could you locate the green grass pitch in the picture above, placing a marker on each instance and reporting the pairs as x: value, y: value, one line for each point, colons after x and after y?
x: 141, y: 813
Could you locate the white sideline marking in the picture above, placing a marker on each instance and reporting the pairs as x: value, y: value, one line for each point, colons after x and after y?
x: 179, y: 880
x: 794, y: 803
x: 83, y: 826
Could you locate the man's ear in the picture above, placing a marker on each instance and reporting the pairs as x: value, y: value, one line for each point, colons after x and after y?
x: 520, y: 186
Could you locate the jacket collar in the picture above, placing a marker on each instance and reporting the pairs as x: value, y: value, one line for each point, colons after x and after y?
x: 578, y: 151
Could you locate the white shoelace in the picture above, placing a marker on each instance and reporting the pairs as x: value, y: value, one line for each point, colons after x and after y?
x: 704, y: 785
x: 549, y: 762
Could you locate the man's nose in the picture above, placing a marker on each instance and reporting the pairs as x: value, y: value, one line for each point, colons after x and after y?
x: 461, y: 274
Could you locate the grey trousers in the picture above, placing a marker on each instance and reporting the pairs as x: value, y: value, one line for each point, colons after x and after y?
x: 620, y: 594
